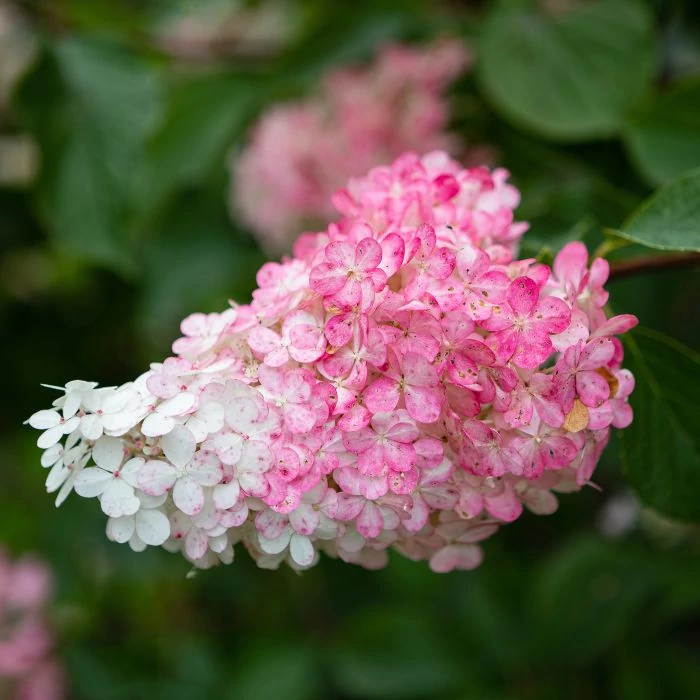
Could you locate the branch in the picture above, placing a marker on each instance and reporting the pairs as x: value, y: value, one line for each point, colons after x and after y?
x: 675, y: 261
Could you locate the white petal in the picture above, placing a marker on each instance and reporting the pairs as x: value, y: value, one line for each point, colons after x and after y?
x: 56, y: 477
x: 71, y: 425
x: 213, y: 415
x: 43, y: 420
x: 120, y: 423
x: 156, y: 477
x: 276, y: 545
x: 218, y: 544
x: 65, y: 491
x: 51, y: 456
x: 91, y: 426
x: 117, y: 401
x: 130, y: 471
x: 226, y: 495
x: 118, y: 499
x: 208, y: 517
x: 120, y: 529
x: 151, y: 501
x: 92, y: 482
x: 178, y: 405
x: 256, y: 457
x: 156, y: 425
x: 206, y: 468
x: 228, y: 447
x: 198, y: 428
x: 108, y: 453
x: 136, y: 543
x: 79, y: 385
x: 188, y: 495
x: 50, y: 437
x: 196, y: 544
x: 302, y: 550
x: 179, y: 446
x: 71, y: 404
x: 152, y: 526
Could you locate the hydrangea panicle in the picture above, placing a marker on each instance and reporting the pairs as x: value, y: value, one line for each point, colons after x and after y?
x: 403, y: 382
x: 28, y: 668
x: 301, y: 152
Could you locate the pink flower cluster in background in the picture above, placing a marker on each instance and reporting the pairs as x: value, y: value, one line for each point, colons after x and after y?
x: 301, y: 152
x: 28, y: 670
x: 403, y: 382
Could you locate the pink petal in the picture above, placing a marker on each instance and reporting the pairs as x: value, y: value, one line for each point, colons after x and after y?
x: 522, y: 295
x: 571, y: 262
x: 368, y: 254
x: 382, y: 395
x: 298, y: 418
x: 616, y: 325
x: 393, y: 250
x: 423, y: 405
x: 456, y: 557
x: 592, y: 388
x: 370, y: 521
x: 264, y: 340
x: 552, y: 315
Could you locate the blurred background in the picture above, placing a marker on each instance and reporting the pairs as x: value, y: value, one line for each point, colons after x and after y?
x: 121, y: 126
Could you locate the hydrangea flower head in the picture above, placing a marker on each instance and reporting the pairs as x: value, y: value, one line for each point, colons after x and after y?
x: 27, y: 667
x: 402, y: 382
x: 301, y: 152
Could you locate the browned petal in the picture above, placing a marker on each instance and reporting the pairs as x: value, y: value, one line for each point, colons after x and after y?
x: 577, y: 418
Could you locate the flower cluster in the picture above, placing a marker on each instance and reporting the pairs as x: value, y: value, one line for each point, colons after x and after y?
x: 301, y: 152
x: 403, y: 382
x: 27, y: 669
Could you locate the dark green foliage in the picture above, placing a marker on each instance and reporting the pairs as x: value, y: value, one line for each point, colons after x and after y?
x: 125, y: 230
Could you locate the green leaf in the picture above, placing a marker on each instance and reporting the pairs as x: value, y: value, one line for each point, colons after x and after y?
x: 203, y: 118
x: 661, y: 449
x: 664, y: 138
x: 393, y: 654
x: 90, y: 123
x: 569, y: 74
x: 586, y: 597
x: 274, y: 670
x: 669, y: 219
x: 198, y: 261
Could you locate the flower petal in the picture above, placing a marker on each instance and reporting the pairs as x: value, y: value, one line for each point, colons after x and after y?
x: 152, y: 526
x: 188, y: 495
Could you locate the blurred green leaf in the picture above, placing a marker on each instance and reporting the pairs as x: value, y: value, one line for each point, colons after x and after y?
x: 661, y: 449
x: 363, y: 28
x: 90, y: 124
x: 195, y: 261
x: 585, y: 598
x: 204, y: 116
x: 276, y: 671
x: 669, y: 219
x: 568, y: 74
x: 664, y: 138
x: 394, y: 654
